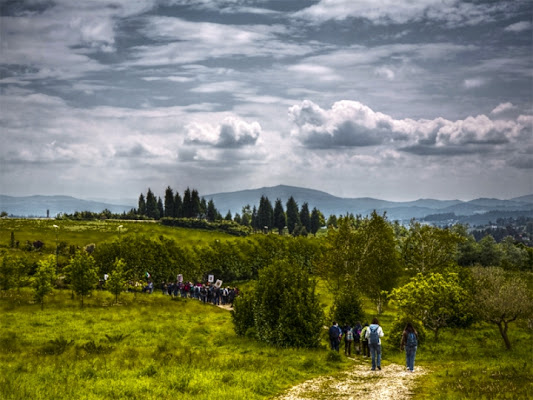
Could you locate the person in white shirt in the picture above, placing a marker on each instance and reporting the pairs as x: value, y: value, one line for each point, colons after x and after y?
x: 374, y: 333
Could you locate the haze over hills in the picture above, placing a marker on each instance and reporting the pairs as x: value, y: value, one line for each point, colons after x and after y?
x: 37, y: 206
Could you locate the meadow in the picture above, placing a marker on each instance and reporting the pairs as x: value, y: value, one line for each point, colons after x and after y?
x: 153, y: 346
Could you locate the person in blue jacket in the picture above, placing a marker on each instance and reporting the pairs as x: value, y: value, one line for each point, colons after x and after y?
x: 374, y: 333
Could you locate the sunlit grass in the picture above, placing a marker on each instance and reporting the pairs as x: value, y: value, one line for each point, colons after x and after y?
x: 149, y: 346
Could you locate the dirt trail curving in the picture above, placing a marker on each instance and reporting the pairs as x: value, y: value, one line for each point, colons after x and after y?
x: 392, y: 382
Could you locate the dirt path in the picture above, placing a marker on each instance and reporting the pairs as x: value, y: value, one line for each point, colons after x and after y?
x: 392, y: 382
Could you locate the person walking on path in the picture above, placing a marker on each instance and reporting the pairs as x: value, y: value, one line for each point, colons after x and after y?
x: 335, y: 334
x: 410, y: 343
x: 364, y: 341
x: 357, y: 337
x: 374, y: 334
x: 348, y: 340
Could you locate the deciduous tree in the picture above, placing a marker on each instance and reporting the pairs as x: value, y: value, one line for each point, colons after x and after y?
x: 501, y: 298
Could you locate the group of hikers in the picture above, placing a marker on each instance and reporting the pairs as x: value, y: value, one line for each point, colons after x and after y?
x: 366, y: 340
x: 206, y: 293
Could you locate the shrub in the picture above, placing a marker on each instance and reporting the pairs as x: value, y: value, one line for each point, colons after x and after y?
x: 347, y: 308
x: 284, y: 308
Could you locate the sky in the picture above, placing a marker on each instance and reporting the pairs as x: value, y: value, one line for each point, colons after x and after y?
x: 392, y: 99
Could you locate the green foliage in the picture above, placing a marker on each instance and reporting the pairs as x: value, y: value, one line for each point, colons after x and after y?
x: 229, y: 227
x: 347, y: 307
x: 44, y: 278
x: 362, y: 253
x: 243, y: 313
x: 117, y: 279
x: 82, y: 274
x: 429, y: 248
x: 394, y: 333
x: 435, y: 299
x: 57, y: 346
x: 285, y: 308
x: 501, y: 298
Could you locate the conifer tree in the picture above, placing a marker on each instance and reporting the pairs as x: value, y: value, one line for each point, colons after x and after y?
x: 187, y: 204
x: 211, y: 211
x: 151, y: 205
x: 142, y: 205
x: 170, y: 210
x: 195, y: 204
x: 178, y: 206
x: 280, y: 219
x: 305, y: 217
x: 265, y: 214
x: 293, y: 216
x: 160, y: 208
x: 317, y: 220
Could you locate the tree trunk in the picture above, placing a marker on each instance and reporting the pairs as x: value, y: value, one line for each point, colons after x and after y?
x: 502, y: 326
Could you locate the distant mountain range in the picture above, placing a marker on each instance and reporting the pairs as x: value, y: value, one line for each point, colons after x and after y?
x: 403, y: 211
x: 478, y: 210
x: 37, y: 206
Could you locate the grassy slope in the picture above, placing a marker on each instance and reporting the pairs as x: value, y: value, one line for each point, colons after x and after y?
x: 175, y: 349
x: 465, y: 363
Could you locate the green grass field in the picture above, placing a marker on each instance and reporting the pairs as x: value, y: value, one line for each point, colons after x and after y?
x: 82, y: 233
x: 147, y: 347
x: 150, y: 346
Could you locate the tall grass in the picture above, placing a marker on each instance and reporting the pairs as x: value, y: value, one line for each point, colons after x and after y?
x: 147, y: 347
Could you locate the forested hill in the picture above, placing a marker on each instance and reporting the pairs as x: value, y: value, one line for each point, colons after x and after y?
x: 460, y: 211
x: 330, y: 204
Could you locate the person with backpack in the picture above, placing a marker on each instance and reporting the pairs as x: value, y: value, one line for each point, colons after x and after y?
x: 364, y: 341
x: 357, y: 337
x: 410, y: 343
x: 348, y: 340
x: 335, y: 334
x: 373, y: 334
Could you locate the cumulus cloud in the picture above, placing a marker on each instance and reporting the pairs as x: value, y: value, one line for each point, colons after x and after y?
x: 503, y: 107
x: 519, y: 26
x: 230, y: 133
x: 352, y: 124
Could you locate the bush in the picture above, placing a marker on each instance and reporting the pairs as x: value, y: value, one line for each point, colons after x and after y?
x: 347, y: 308
x: 283, y: 310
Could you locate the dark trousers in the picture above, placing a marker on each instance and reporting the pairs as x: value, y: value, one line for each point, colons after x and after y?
x: 366, y: 350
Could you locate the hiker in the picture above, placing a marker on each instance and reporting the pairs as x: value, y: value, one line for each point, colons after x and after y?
x: 348, y: 340
x: 364, y: 341
x: 373, y: 334
x: 410, y: 343
x: 335, y: 334
x: 357, y: 337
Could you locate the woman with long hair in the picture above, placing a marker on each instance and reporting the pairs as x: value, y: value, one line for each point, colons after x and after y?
x: 409, y: 343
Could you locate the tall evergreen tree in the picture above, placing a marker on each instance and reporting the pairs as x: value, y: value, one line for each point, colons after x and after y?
x: 151, y: 205
x: 265, y: 214
x: 195, y: 204
x: 293, y: 216
x: 142, y: 205
x: 305, y: 217
x: 178, y: 206
x: 203, y: 208
x: 280, y: 219
x: 169, y: 203
x: 211, y: 211
x: 228, y: 216
x: 160, y: 208
x: 317, y: 220
x: 187, y: 204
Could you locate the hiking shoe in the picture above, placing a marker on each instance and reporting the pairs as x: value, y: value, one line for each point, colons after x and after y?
x: 379, y: 367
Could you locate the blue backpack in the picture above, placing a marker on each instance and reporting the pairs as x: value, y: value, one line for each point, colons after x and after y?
x: 411, y: 340
x: 374, y: 337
